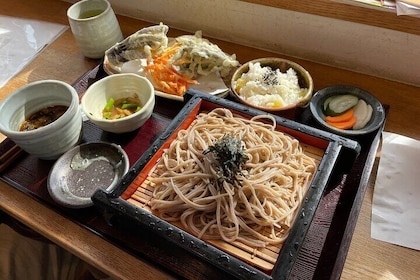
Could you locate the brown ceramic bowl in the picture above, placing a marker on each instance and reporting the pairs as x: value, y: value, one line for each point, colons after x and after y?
x: 304, y: 81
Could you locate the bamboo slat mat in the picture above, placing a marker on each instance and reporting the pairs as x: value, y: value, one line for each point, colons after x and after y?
x: 264, y: 258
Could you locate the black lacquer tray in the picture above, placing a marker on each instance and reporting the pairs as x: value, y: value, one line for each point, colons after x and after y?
x: 318, y: 252
x: 336, y: 149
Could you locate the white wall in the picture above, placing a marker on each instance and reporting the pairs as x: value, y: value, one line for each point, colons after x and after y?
x: 376, y: 51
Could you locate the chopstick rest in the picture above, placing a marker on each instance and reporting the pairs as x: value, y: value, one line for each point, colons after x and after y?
x: 8, y: 157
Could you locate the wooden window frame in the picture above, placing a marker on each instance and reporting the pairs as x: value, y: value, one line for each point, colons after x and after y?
x: 348, y: 11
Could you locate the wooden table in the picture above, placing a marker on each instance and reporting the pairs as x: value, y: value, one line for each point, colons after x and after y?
x: 62, y: 60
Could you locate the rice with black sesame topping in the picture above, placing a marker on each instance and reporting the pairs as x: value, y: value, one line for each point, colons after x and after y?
x: 267, y: 87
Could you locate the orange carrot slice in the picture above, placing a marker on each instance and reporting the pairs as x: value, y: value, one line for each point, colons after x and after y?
x: 346, y: 116
x: 344, y: 124
x: 165, y: 77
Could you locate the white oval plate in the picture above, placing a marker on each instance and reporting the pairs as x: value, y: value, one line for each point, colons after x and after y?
x: 212, y: 84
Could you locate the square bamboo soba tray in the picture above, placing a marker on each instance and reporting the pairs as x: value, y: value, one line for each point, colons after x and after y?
x: 130, y: 200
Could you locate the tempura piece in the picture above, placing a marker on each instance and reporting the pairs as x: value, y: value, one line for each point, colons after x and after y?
x: 142, y: 44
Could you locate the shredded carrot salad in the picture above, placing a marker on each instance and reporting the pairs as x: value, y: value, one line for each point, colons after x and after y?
x: 165, y: 77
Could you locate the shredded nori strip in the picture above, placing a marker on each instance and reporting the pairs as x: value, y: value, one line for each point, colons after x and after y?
x: 230, y: 156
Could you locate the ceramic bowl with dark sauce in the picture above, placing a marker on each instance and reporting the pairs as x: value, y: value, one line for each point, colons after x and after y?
x: 43, y: 118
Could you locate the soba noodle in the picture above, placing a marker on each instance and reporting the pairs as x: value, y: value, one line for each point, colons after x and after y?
x: 256, y: 209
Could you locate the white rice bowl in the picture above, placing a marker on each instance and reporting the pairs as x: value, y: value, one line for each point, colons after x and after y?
x: 267, y: 87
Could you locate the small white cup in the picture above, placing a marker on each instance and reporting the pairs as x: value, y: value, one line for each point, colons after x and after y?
x: 94, y: 26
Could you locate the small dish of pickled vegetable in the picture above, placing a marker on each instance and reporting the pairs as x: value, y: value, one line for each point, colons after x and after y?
x: 119, y: 103
x: 121, y: 107
x: 347, y: 110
